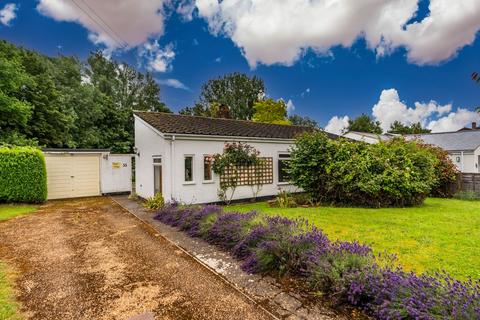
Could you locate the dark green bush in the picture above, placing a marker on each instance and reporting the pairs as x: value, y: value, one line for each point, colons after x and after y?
x: 23, y: 175
x: 394, y: 173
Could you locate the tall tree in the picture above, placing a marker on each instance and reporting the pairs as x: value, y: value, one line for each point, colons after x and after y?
x: 305, y: 121
x: 270, y: 111
x: 236, y: 90
x: 364, y: 123
x: 400, y: 128
x: 62, y: 102
x: 15, y: 111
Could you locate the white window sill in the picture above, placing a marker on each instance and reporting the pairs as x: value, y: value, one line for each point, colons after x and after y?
x: 187, y: 183
x: 208, y: 182
x: 284, y: 183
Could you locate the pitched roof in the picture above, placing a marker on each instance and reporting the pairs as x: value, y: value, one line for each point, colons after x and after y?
x: 451, y: 141
x: 180, y: 124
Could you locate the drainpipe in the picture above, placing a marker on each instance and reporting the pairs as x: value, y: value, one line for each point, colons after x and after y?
x: 172, y: 171
x: 462, y: 162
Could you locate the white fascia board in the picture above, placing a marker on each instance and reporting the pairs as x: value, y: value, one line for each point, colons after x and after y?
x: 149, y: 126
x: 226, y: 138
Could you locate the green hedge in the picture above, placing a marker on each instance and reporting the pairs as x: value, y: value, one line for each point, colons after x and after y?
x: 394, y: 173
x: 23, y: 175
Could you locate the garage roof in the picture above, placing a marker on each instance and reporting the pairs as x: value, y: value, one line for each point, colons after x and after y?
x: 451, y: 141
x: 181, y: 124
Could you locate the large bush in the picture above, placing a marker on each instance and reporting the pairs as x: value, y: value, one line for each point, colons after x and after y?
x: 23, y: 175
x: 394, y: 173
x: 445, y: 171
x: 346, y: 272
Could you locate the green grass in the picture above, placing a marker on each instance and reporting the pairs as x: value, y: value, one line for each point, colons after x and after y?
x: 442, y: 234
x: 8, y: 305
x: 8, y: 211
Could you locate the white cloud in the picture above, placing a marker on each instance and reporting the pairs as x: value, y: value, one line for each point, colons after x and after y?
x: 174, y: 83
x: 337, y: 125
x: 8, y: 13
x: 304, y: 93
x: 433, y: 116
x: 272, y: 31
x: 290, y: 106
x: 158, y: 59
x: 185, y: 9
x: 218, y: 59
x: 389, y: 108
x: 454, y: 121
x: 112, y: 23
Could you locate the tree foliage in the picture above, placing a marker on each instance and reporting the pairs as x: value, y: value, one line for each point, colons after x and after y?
x: 270, y: 111
x: 304, y: 121
x: 393, y: 173
x: 64, y: 102
x: 400, y: 128
x: 236, y: 90
x: 364, y: 123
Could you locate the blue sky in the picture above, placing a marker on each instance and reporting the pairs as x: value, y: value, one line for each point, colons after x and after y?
x: 324, y: 73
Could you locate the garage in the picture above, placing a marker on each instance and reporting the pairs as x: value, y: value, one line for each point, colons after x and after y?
x: 86, y: 173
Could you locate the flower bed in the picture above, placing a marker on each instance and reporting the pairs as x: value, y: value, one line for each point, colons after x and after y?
x: 348, y: 272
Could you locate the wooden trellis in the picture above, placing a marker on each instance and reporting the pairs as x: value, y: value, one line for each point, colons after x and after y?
x: 259, y: 174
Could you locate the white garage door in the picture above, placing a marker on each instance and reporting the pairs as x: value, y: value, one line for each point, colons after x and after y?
x: 73, y: 175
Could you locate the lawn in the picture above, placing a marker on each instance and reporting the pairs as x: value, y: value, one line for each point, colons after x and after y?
x: 442, y: 234
x: 8, y: 306
x: 8, y: 211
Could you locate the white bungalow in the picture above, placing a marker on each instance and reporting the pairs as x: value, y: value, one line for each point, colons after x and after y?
x: 172, y: 153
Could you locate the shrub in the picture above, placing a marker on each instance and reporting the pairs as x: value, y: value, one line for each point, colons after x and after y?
x: 394, y: 173
x: 155, y: 202
x: 348, y: 272
x: 445, y: 171
x: 23, y: 175
x: 284, y: 199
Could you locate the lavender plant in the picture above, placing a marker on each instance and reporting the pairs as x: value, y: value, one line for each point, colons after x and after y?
x: 348, y: 272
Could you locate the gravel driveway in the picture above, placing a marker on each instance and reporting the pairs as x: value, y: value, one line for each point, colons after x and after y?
x: 89, y: 259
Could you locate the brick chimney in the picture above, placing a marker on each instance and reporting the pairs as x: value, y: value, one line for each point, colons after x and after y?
x: 474, y: 126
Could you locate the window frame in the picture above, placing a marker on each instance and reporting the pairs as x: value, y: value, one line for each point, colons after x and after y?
x: 157, y: 164
x: 185, y: 156
x: 280, y: 158
x: 211, y: 170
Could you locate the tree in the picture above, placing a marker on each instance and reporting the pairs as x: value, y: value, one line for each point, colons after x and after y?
x: 15, y: 111
x: 64, y: 102
x: 400, y: 128
x: 270, y: 111
x: 304, y: 121
x: 364, y: 123
x: 236, y: 90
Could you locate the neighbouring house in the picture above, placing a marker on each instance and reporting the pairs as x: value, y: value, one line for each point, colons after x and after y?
x: 463, y: 147
x: 368, y: 137
x: 173, y: 155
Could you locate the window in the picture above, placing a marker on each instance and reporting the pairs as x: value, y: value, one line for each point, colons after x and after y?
x: 157, y: 175
x: 188, y: 168
x: 207, y: 168
x: 283, y: 161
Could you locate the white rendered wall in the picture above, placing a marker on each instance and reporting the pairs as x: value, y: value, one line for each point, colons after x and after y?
x: 116, y: 173
x: 200, y: 191
x: 467, y: 163
x: 148, y: 144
